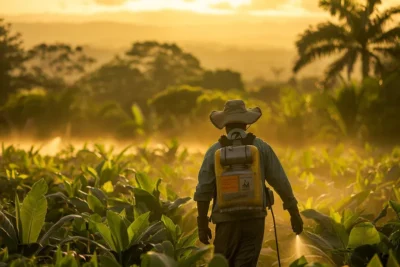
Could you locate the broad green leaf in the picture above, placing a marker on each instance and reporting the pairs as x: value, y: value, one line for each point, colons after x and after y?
x: 95, y: 205
x: 144, y: 181
x: 188, y: 240
x: 8, y: 236
x: 154, y: 259
x: 375, y: 262
x: 106, y: 234
x: 363, y: 233
x: 137, y: 227
x: 33, y: 212
x: 171, y: 227
x: 218, y: 261
x: 118, y: 230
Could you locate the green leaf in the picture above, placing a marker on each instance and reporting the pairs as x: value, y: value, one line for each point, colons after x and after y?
x: 375, y: 262
x: 154, y: 259
x: 33, y: 212
x: 137, y: 227
x: 118, y: 230
x: 137, y: 114
x: 106, y: 234
x: 218, y: 261
x: 144, y: 181
x: 168, y: 248
x: 57, y: 226
x: 301, y: 262
x: 188, y: 240
x: 392, y: 262
x: 177, y: 203
x: 8, y: 236
x: 395, y: 206
x: 363, y: 233
x: 67, y: 261
x: 95, y: 205
x: 97, y: 192
x: 18, y: 217
x: 171, y: 227
x: 194, y: 258
x: 107, y: 261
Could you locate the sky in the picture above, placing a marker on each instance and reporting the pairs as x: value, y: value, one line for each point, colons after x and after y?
x: 268, y: 7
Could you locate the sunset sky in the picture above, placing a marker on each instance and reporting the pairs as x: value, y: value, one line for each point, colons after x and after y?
x: 267, y: 7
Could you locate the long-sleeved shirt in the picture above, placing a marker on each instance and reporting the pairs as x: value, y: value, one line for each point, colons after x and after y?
x: 271, y: 170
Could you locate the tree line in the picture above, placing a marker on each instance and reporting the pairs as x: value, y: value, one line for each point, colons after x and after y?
x: 58, y: 89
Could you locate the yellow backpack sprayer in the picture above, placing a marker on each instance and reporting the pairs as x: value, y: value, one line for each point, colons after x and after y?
x: 239, y: 182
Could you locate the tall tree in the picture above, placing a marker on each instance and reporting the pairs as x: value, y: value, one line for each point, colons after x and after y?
x: 222, y: 79
x: 54, y: 66
x: 164, y: 64
x: 11, y: 58
x: 360, y: 33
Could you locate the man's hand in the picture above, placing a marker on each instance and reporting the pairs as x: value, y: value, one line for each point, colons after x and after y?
x: 296, y: 221
x: 204, y: 230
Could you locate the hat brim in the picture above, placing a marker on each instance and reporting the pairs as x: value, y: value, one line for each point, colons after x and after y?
x: 220, y: 119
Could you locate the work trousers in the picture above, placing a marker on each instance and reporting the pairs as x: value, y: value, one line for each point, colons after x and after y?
x: 240, y: 241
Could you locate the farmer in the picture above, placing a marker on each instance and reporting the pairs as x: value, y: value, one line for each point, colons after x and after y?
x: 239, y: 237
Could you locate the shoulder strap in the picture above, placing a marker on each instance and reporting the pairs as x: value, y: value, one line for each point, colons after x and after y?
x: 225, y: 141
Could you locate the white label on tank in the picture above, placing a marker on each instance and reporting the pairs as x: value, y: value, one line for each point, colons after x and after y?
x: 246, y: 183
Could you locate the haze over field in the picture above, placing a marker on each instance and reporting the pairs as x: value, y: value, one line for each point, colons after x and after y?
x: 247, y: 36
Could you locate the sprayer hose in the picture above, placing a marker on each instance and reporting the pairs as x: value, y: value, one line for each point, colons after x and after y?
x: 276, y: 237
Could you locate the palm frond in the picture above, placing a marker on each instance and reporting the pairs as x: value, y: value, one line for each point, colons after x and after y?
x: 325, y: 32
x: 371, y: 6
x: 393, y: 51
x: 337, y: 66
x: 342, y: 8
x: 389, y: 36
x: 380, y: 20
x: 316, y: 52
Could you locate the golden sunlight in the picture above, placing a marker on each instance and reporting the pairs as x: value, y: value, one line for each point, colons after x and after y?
x: 279, y: 7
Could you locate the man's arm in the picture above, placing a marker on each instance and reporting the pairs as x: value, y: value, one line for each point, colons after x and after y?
x: 277, y: 178
x: 204, y: 193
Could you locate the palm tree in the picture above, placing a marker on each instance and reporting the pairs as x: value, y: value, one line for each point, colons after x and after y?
x: 359, y: 33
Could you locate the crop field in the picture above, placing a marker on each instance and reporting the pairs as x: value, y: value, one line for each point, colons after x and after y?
x: 94, y: 205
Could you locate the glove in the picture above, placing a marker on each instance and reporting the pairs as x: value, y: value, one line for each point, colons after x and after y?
x: 296, y: 221
x: 204, y: 230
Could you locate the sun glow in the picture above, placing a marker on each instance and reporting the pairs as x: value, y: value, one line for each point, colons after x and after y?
x: 272, y: 7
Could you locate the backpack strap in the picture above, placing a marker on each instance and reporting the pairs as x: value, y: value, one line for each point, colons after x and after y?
x: 248, y: 140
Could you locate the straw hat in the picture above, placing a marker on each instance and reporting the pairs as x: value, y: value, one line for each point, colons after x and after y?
x: 235, y: 111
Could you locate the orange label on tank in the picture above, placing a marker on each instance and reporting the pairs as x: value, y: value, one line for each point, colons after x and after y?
x: 230, y: 184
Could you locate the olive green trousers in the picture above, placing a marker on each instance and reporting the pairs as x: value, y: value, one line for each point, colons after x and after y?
x: 240, y: 241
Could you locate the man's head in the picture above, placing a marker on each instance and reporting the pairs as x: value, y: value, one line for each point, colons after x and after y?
x: 235, y: 125
x: 235, y: 113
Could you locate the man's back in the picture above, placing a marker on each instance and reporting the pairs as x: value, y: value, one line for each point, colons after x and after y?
x: 239, y: 235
